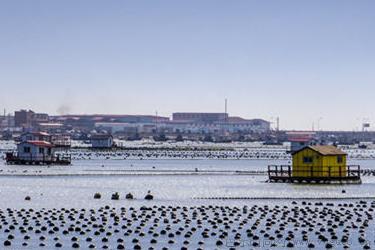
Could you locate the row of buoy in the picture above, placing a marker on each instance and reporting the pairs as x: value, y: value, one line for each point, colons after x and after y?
x: 128, y: 196
x: 114, y: 196
x: 179, y: 154
x: 316, y: 224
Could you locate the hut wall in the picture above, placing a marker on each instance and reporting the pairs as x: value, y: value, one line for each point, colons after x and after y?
x: 332, y: 164
x: 301, y: 168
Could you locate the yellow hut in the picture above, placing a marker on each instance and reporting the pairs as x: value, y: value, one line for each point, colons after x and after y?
x: 319, y: 161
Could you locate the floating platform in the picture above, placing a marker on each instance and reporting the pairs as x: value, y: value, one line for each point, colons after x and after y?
x: 12, y: 159
x: 284, y: 173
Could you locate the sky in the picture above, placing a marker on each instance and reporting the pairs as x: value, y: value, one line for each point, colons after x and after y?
x: 307, y: 62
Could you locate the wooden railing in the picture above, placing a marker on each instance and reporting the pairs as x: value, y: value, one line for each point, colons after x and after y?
x: 57, y: 158
x: 286, y: 171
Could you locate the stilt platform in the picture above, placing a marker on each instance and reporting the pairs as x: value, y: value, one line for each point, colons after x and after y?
x: 12, y: 159
x: 284, y: 173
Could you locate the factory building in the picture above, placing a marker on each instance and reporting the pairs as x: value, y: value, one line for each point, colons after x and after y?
x: 28, y: 118
x: 199, y: 117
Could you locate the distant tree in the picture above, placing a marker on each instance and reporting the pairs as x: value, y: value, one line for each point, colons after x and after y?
x: 7, y: 135
x: 135, y: 137
x: 208, y: 138
x: 83, y: 136
x: 160, y: 137
x: 179, y: 138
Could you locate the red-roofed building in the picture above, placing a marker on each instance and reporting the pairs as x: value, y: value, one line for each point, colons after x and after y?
x: 300, y: 140
x: 35, y: 151
x: 35, y: 146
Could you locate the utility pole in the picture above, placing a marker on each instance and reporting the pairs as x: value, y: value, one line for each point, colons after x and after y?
x: 226, y: 109
x: 156, y: 122
x: 319, y: 119
x: 277, y: 124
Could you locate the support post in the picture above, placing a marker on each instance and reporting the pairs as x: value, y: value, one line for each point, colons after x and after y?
x: 358, y: 171
x: 329, y: 172
x: 276, y: 171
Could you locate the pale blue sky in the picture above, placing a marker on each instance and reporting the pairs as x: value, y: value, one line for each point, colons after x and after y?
x: 300, y: 60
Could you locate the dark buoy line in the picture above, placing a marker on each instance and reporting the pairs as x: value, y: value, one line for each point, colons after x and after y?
x: 141, y: 154
x: 116, y: 196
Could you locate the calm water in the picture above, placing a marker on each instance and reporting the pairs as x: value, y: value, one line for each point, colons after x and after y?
x: 173, y: 164
x: 74, y: 186
x: 69, y: 185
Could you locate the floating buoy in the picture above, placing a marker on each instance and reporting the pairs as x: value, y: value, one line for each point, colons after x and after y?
x: 75, y: 245
x: 115, y: 196
x: 129, y: 196
x: 149, y: 196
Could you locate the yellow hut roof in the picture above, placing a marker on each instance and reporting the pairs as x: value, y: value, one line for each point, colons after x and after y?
x: 324, y: 150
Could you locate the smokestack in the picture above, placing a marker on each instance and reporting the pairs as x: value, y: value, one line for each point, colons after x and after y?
x: 226, y: 105
x: 278, y: 123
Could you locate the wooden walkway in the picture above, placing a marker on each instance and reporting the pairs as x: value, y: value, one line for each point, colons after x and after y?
x: 284, y: 173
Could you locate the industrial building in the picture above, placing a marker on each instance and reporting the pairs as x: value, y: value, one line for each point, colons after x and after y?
x: 23, y: 118
x: 194, y: 125
x: 89, y: 121
x: 216, y: 123
x: 28, y: 118
x: 199, y: 117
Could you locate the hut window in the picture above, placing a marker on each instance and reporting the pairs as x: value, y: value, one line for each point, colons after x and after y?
x: 307, y: 159
x: 339, y: 159
x: 41, y: 150
x: 26, y: 149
